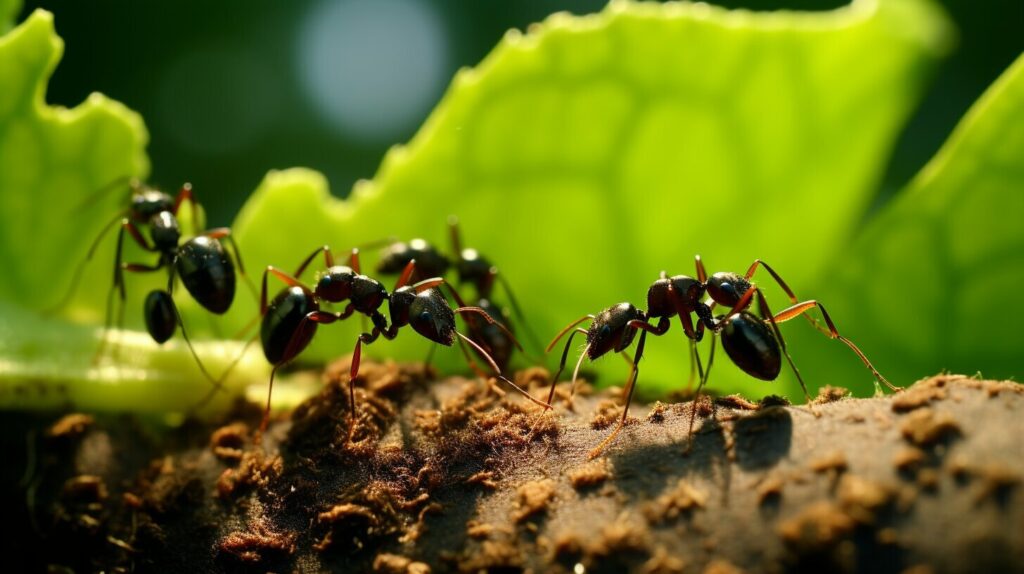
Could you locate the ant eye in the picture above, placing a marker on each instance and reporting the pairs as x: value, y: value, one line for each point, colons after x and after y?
x: 425, y: 316
x: 605, y: 331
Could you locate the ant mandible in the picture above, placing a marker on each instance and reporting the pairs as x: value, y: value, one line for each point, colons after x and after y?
x: 291, y: 318
x: 754, y: 344
x: 202, y: 263
x: 472, y: 268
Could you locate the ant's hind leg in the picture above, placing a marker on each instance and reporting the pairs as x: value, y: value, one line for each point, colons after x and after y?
x: 766, y: 314
x: 561, y: 364
x: 696, y: 397
x: 832, y: 333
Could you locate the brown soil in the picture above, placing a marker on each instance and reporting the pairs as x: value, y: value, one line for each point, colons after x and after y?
x: 456, y: 476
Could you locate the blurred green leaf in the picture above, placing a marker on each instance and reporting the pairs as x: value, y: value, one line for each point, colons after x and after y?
x: 55, y: 164
x: 930, y: 283
x: 590, y: 153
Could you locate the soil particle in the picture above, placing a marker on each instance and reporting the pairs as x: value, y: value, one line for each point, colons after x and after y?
x: 736, y: 402
x: 481, y: 530
x: 485, y: 478
x: 830, y: 394
x: 657, y: 414
x: 70, y: 426
x: 590, y: 474
x: 909, y: 459
x: 925, y: 427
x: 680, y: 500
x: 534, y: 498
x: 774, y: 401
x: 818, y: 526
x: 862, y: 498
x: 928, y: 479
x: 255, y: 470
x: 84, y: 489
x: 492, y: 556
x: 770, y: 490
x: 606, y: 414
x: 395, y: 564
x: 228, y: 442
x: 256, y: 545
x: 833, y: 463
x: 720, y: 566
x: 663, y: 562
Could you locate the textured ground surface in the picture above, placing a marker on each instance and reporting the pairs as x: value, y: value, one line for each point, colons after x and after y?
x: 452, y: 476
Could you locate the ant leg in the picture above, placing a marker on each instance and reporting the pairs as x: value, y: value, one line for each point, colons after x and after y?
x: 353, y: 372
x: 766, y: 314
x: 403, y: 278
x: 290, y: 352
x: 328, y: 259
x: 181, y: 323
x: 702, y: 274
x: 118, y: 284
x: 353, y: 260
x: 218, y: 385
x: 629, y: 394
x: 492, y: 321
x: 696, y: 398
x: 832, y: 333
x: 567, y: 328
x: 288, y: 280
x: 198, y: 217
x: 77, y: 277
x: 792, y: 297
x: 455, y: 236
x: 561, y: 364
x: 497, y: 371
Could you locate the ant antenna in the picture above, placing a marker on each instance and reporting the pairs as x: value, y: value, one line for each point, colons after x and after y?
x: 576, y: 372
x: 494, y: 366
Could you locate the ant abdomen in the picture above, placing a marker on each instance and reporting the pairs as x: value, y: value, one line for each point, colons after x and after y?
x: 429, y: 261
x: 286, y: 314
x: 750, y: 343
x: 207, y: 273
x: 161, y: 320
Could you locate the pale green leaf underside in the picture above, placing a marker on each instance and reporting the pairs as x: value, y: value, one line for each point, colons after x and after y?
x: 593, y: 152
x: 934, y: 279
x: 52, y: 163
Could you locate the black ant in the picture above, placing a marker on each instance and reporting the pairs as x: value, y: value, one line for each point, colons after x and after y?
x: 202, y: 263
x: 291, y: 318
x: 753, y: 343
x: 472, y: 268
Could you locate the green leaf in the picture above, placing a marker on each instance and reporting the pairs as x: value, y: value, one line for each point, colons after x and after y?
x: 931, y: 283
x: 8, y: 10
x: 590, y: 153
x: 53, y: 163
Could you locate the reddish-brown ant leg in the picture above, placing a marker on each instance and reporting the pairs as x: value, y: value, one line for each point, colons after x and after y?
x: 687, y: 323
x: 832, y: 333
x: 288, y: 280
x: 565, y: 355
x: 632, y: 386
x: 497, y: 372
x: 328, y: 260
x: 696, y: 399
x: 567, y: 328
x: 479, y: 311
x: 702, y: 274
x: 789, y: 292
x: 185, y: 194
x: 353, y: 261
x: 403, y: 278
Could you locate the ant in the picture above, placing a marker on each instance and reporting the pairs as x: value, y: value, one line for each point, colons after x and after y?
x: 202, y: 263
x: 472, y: 268
x: 291, y: 318
x: 755, y: 344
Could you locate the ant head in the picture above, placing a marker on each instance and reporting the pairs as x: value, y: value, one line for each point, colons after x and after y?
x: 164, y: 230
x: 687, y: 292
x: 727, y: 288
x: 335, y: 284
x: 431, y: 316
x: 367, y: 294
x: 609, y: 330
x: 147, y: 202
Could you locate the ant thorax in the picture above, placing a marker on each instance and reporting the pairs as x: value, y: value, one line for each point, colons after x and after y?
x: 368, y: 294
x: 164, y: 231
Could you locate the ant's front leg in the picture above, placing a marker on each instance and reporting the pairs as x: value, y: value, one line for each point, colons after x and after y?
x: 198, y: 217
x: 789, y: 292
x: 631, y: 386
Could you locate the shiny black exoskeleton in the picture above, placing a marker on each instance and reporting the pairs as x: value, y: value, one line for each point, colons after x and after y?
x: 754, y: 343
x: 290, y: 320
x: 473, y: 269
x: 202, y: 263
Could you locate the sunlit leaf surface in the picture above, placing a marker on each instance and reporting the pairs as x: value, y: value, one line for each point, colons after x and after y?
x: 590, y: 153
